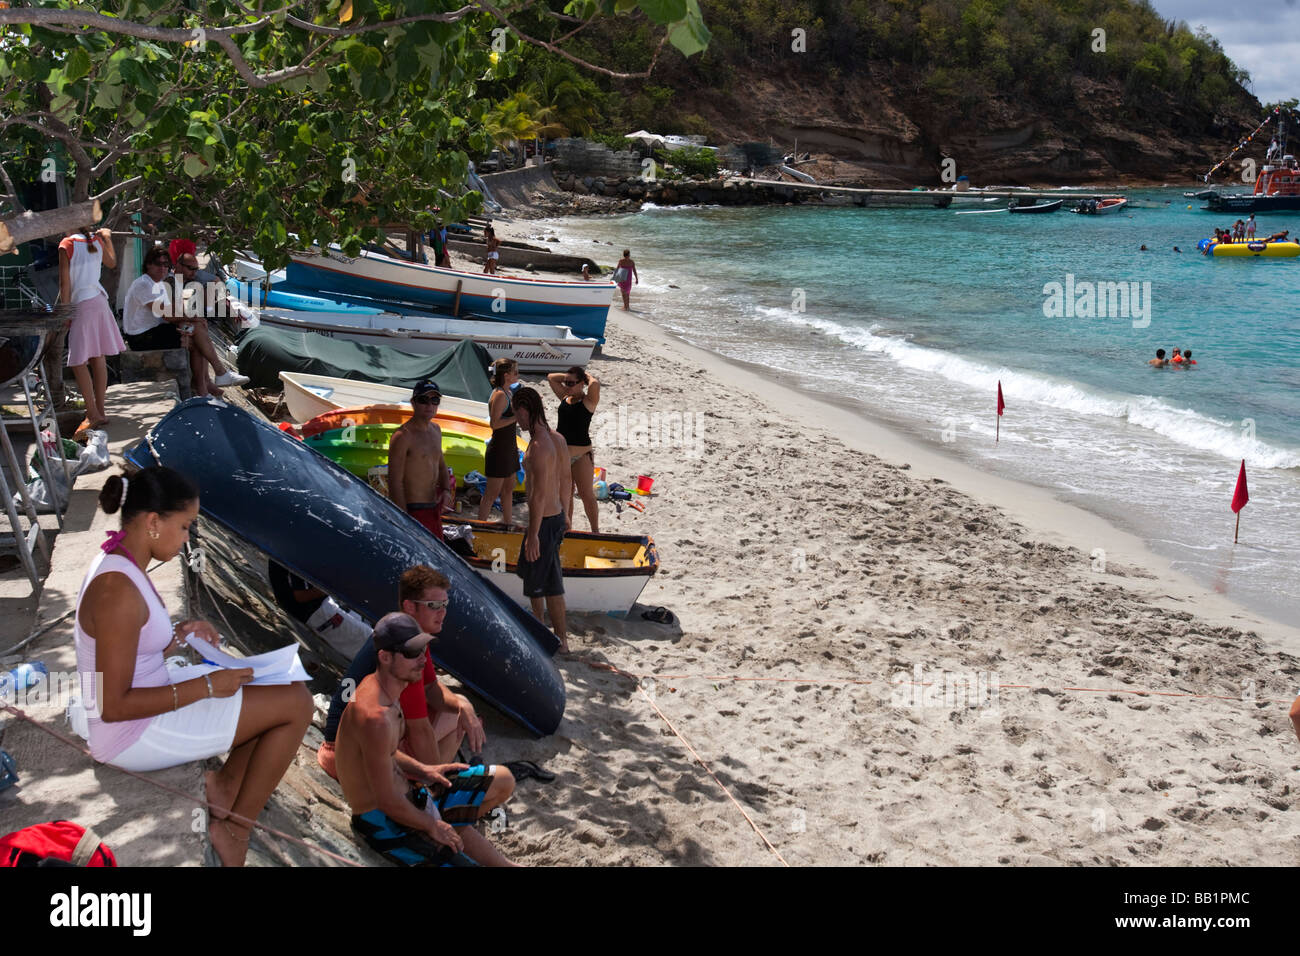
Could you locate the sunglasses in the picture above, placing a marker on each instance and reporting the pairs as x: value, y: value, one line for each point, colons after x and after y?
x: 433, y: 605
x: 426, y: 400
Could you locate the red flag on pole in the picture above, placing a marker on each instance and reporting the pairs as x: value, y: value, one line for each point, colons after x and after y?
x: 1239, y: 498
x: 1241, y: 495
x: 1001, y: 408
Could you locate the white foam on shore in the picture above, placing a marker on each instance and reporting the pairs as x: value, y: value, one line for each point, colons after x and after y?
x: 1186, y: 427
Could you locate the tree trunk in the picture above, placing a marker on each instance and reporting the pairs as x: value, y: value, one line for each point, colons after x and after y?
x: 52, y: 222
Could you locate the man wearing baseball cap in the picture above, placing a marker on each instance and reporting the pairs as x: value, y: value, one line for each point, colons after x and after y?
x: 425, y: 823
x: 417, y: 473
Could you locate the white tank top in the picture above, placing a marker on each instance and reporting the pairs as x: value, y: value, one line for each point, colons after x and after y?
x: 84, y: 267
x: 107, y: 740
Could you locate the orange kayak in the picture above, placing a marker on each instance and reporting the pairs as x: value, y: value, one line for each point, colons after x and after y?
x: 393, y: 415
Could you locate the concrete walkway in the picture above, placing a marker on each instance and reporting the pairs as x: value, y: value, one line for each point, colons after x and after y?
x: 145, y: 826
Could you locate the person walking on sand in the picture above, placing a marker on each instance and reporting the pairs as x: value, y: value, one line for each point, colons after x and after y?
x: 144, y: 714
x: 413, y: 813
x: 501, y: 460
x: 417, y: 472
x: 546, y: 466
x: 579, y: 394
x: 624, y: 273
x: 493, y: 244
x: 93, y: 333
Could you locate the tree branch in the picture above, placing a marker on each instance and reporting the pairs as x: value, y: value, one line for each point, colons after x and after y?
x: 452, y: 16
x: 553, y: 48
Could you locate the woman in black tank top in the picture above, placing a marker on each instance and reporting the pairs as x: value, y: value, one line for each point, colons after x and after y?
x: 501, y: 461
x: 579, y: 394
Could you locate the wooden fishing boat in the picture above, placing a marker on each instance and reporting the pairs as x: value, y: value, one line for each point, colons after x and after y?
x: 537, y: 348
x: 310, y: 395
x: 603, y: 573
x: 581, y: 305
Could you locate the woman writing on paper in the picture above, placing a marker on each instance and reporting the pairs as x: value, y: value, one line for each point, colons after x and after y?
x: 146, y: 715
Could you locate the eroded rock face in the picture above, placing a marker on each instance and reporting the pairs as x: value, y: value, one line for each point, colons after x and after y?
x: 879, y: 128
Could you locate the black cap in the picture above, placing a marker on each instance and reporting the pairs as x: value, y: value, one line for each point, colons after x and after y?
x: 424, y: 387
x: 398, y: 630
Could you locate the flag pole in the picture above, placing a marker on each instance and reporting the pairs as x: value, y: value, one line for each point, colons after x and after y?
x: 1237, y: 530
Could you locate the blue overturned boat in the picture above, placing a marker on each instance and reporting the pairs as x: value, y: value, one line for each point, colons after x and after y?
x: 331, y: 529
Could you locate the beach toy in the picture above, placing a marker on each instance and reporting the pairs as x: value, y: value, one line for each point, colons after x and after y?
x: 600, y: 474
x: 602, y: 491
x: 28, y: 675
x: 8, y: 770
x: 643, y: 484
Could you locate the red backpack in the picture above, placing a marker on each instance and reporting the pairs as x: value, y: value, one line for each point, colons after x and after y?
x: 61, y: 843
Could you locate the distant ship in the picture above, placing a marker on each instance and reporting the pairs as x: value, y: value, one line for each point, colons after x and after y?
x: 1276, y: 190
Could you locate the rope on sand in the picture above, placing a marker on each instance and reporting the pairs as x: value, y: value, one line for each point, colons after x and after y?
x: 687, y: 745
x: 237, y: 817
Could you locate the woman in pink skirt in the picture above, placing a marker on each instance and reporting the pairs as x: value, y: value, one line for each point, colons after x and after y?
x: 93, y: 333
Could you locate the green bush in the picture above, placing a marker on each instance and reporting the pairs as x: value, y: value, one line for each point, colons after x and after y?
x: 694, y: 161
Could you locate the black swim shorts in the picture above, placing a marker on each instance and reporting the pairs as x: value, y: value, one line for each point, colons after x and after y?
x: 544, y: 577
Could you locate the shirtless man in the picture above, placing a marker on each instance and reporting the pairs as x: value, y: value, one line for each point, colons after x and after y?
x: 1159, y: 361
x: 417, y: 472
x: 546, y: 470
x: 409, y: 824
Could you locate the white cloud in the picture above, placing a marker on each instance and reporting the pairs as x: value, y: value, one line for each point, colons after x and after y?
x: 1261, y: 38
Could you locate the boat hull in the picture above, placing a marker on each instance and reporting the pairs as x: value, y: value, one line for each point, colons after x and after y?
x: 308, y: 396
x: 534, y: 348
x: 1218, y: 202
x: 611, y: 590
x: 583, y: 306
x: 331, y: 529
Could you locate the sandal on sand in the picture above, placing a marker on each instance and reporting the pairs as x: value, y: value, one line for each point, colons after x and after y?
x: 523, y: 769
x: 660, y: 615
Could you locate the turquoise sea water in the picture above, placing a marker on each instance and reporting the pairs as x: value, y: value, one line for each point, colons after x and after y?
x: 914, y: 315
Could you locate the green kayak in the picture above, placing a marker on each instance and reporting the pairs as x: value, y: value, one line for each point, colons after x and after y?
x: 359, y: 448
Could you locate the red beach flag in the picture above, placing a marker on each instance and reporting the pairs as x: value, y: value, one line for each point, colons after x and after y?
x: 1001, y: 408
x: 1241, y: 495
x: 1239, y: 498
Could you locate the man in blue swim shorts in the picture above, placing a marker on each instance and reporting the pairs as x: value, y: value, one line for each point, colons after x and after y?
x: 428, y: 823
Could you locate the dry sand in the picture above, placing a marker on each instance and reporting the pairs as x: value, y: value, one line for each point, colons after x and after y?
x: 808, y: 574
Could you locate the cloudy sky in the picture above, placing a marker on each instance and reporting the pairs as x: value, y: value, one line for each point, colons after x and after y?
x: 1262, y: 37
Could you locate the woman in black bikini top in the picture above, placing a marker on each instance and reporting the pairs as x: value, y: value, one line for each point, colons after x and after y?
x: 579, y: 394
x: 501, y: 462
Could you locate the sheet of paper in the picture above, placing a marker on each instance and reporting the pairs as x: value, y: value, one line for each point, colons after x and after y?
x: 280, y: 666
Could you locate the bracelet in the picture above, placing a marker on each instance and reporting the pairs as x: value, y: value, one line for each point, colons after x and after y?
x: 176, y: 700
x: 209, y: 682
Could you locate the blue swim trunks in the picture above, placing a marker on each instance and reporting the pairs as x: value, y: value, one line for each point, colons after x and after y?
x: 458, y: 805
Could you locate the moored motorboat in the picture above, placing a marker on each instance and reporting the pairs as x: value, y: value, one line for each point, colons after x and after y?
x: 307, y: 396
x: 1041, y: 207
x: 1101, y: 207
x: 536, y: 348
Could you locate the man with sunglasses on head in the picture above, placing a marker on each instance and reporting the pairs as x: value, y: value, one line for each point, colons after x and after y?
x: 437, y: 721
x: 417, y: 472
x: 411, y: 812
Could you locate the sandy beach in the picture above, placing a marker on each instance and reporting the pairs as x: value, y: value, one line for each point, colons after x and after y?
x: 1120, y: 716
x: 882, y: 656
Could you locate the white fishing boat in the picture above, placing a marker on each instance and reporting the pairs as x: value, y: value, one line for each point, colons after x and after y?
x: 537, y: 348
x: 581, y: 305
x: 310, y: 395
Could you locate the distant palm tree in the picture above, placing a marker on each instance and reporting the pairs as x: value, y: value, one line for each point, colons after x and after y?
x: 519, y: 118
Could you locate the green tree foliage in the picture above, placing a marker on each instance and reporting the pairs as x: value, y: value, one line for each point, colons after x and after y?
x: 694, y: 162
x: 325, y: 119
